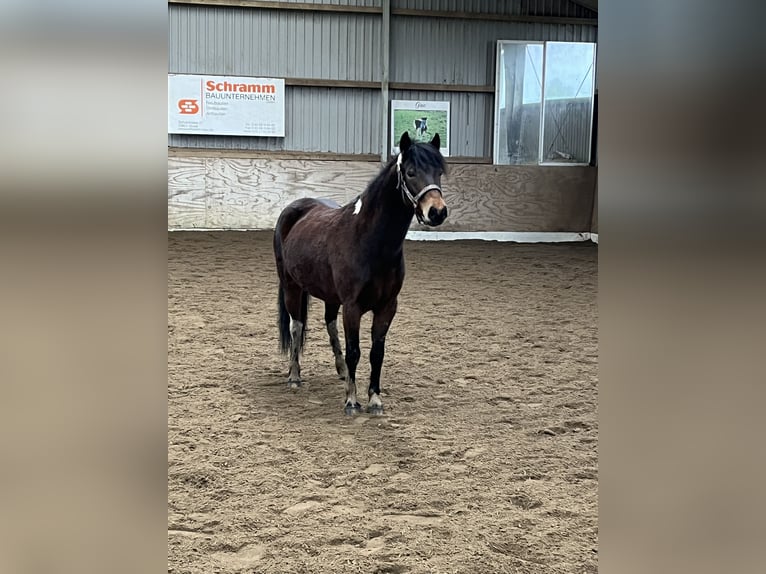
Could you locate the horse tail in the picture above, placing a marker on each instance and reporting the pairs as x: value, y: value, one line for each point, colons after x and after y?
x: 285, y: 339
x: 285, y: 222
x: 304, y: 318
x: 283, y: 322
x: 283, y: 317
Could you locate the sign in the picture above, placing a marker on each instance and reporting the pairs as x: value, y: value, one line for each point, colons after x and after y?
x: 422, y: 120
x: 226, y: 105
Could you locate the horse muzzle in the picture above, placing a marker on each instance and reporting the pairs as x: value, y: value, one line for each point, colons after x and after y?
x: 433, y: 209
x: 435, y: 216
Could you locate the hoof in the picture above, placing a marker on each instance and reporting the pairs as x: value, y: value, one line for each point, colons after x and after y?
x: 375, y: 409
x: 354, y: 409
x: 294, y: 384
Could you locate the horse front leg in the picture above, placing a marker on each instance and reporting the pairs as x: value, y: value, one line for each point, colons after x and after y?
x: 351, y: 319
x: 380, y: 324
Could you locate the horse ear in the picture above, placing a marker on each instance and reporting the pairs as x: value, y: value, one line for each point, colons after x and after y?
x: 405, y: 142
x: 436, y: 141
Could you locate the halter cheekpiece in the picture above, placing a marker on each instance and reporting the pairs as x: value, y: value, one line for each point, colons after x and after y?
x: 407, y: 197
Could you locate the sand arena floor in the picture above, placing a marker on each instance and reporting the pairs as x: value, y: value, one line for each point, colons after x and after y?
x: 485, y: 461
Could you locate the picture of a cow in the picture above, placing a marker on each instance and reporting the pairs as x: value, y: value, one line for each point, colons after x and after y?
x: 421, y: 126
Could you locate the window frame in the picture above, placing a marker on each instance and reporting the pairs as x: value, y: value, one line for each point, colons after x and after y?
x: 541, y: 144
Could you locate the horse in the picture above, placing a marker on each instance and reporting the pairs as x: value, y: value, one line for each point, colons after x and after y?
x: 421, y: 125
x: 352, y: 256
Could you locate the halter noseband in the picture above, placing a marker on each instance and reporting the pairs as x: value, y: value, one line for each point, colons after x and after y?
x: 407, y: 197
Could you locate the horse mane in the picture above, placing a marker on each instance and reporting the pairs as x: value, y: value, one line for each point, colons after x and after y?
x: 422, y: 155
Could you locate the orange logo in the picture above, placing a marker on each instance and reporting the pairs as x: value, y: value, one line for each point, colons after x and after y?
x: 188, y: 106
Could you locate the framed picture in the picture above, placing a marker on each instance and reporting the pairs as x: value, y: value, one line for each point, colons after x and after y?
x: 422, y: 120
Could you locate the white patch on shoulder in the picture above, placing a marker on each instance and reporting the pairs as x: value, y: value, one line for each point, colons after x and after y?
x: 358, y: 206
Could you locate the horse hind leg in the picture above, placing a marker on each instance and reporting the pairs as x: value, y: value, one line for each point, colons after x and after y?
x: 296, y: 306
x: 294, y: 374
x: 331, y: 322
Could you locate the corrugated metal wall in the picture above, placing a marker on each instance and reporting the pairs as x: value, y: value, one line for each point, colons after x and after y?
x: 275, y: 43
x: 562, y: 8
x: 446, y: 51
x: 346, y: 46
x: 372, y: 3
x: 470, y: 114
x: 287, y: 44
x: 513, y: 7
x: 338, y: 120
x: 463, y: 51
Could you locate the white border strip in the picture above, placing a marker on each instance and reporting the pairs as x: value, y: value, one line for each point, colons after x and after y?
x: 507, y: 236
x: 518, y: 237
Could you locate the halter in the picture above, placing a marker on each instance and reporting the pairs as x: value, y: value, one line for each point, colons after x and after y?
x: 407, y: 197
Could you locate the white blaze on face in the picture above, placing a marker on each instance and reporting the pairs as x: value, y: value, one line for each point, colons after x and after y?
x: 358, y: 206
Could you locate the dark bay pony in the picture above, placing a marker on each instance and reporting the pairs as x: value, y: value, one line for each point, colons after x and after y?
x: 353, y: 256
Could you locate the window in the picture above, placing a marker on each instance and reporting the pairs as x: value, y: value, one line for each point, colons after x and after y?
x: 544, y: 102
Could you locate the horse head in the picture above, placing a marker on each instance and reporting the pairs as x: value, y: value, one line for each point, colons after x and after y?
x: 420, y: 167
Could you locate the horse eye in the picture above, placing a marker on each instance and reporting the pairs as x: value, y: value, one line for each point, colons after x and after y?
x: 410, y: 172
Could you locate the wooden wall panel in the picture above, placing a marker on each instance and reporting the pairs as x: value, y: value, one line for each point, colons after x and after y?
x: 186, y: 192
x: 518, y: 198
x: 249, y: 193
